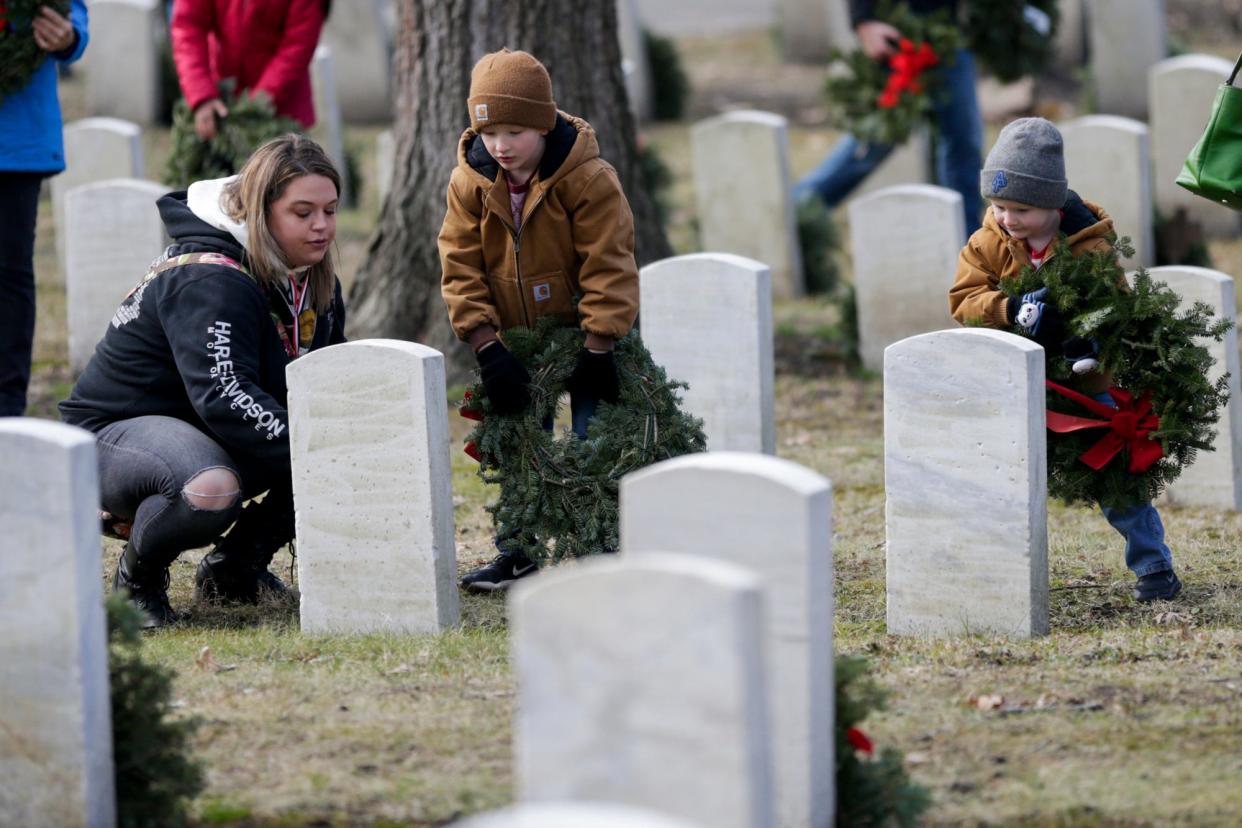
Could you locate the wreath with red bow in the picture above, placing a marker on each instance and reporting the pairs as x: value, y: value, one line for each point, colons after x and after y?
x: 20, y: 56
x: 1162, y: 407
x: 883, y: 101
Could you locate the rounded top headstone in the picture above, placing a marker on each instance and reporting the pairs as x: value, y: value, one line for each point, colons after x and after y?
x: 573, y: 815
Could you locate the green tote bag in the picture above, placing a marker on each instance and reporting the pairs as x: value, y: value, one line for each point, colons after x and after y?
x: 1214, y: 167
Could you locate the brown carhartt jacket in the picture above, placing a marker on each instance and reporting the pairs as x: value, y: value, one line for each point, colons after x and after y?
x: 991, y: 254
x: 576, y: 240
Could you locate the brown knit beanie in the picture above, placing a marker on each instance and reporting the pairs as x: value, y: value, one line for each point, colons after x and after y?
x: 511, y: 88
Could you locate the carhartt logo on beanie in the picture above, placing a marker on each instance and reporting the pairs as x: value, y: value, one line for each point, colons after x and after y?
x: 1027, y: 165
x: 511, y: 88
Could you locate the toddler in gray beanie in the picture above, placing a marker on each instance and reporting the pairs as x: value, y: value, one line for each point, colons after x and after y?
x: 1027, y: 165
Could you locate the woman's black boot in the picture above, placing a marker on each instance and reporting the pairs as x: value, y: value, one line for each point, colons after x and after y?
x: 147, y: 584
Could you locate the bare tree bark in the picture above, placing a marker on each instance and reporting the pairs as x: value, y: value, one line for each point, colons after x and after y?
x: 397, y: 290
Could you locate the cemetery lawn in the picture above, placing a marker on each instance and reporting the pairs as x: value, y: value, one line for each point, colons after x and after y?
x: 1123, y: 716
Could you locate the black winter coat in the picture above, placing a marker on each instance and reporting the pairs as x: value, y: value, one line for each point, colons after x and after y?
x: 197, y: 342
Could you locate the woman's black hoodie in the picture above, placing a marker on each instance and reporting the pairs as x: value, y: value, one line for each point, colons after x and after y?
x: 197, y: 342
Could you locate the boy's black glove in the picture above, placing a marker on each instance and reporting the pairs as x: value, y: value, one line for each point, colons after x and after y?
x: 595, y: 375
x: 504, y: 379
x: 1041, y: 320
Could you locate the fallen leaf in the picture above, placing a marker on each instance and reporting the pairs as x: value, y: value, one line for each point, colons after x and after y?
x: 987, y: 702
x: 205, y: 661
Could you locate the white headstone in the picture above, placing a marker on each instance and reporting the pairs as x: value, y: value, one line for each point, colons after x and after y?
x: 573, y: 815
x: 1127, y: 38
x: 1182, y: 90
x: 55, y: 718
x: 364, y: 81
x: 719, y: 342
x: 634, y: 59
x: 368, y: 431
x: 96, y: 149
x: 122, y: 61
x: 965, y: 478
x: 328, y: 130
x: 811, y: 29
x: 641, y: 682
x: 905, y: 242
x: 115, y: 232
x: 385, y: 163
x: 774, y: 518
x: 1215, y: 478
x: 1107, y: 161
x: 1071, y: 36
x: 741, y: 183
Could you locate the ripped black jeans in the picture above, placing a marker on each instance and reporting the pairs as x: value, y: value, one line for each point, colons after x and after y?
x: 147, y: 469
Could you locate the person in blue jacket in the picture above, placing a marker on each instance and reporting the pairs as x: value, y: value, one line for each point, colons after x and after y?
x: 31, y: 148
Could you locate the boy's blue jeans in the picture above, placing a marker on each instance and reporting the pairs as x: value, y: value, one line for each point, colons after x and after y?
x: 1146, y: 551
x: 581, y: 410
x: 959, y: 149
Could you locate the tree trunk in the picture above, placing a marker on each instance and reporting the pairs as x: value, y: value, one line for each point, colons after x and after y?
x: 397, y: 290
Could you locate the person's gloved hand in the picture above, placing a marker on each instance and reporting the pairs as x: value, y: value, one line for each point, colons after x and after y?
x: 1040, y: 319
x: 1082, y: 353
x: 595, y: 375
x: 504, y: 378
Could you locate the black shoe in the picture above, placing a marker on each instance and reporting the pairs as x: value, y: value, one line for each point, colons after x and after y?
x: 1158, y: 586
x: 499, y: 572
x: 236, y: 568
x: 147, y: 586
x: 222, y: 578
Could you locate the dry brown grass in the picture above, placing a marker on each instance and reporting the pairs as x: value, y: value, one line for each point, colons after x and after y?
x: 1123, y: 716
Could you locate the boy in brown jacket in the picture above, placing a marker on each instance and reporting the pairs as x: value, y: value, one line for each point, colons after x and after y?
x: 536, y: 220
x: 1031, y: 208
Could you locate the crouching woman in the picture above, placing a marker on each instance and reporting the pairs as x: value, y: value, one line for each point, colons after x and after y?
x: 186, y: 391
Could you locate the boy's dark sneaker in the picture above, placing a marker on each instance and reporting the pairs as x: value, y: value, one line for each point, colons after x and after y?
x: 499, y: 572
x: 1158, y: 586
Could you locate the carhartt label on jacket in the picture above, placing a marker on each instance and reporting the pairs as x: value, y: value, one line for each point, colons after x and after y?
x: 542, y: 292
x: 219, y: 348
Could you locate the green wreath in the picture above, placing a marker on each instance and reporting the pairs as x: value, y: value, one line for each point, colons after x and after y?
x: 882, y: 102
x: 558, y: 494
x: 252, y: 120
x: 1150, y: 344
x: 1012, y: 39
x: 20, y: 56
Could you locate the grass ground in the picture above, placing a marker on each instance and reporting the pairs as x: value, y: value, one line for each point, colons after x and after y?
x: 1123, y: 716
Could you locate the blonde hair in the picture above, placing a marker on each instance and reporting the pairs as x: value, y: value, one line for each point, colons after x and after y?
x: 260, y: 183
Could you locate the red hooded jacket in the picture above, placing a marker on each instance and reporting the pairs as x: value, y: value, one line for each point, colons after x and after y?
x: 267, y: 45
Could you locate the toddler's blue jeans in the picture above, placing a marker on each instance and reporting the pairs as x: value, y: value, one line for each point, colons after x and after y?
x: 1140, y: 525
x: 959, y: 149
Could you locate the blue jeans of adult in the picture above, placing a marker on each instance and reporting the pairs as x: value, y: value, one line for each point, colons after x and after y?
x: 147, y: 467
x: 1140, y: 525
x: 19, y: 209
x: 959, y: 149
x: 581, y: 410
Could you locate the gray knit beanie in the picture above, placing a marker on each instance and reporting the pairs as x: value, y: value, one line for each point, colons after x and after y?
x: 1027, y: 165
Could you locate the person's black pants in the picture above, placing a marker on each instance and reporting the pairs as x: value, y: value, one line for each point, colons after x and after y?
x: 145, y: 464
x: 19, y: 208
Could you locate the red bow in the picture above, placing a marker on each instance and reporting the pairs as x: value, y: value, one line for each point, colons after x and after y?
x: 859, y: 741
x: 906, y: 65
x: 468, y: 411
x: 1129, y: 425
